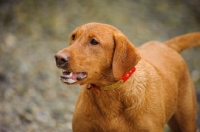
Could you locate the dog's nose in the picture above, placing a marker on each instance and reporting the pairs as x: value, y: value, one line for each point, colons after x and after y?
x: 62, y: 60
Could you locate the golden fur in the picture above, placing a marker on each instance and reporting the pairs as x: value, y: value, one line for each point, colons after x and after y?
x: 159, y: 92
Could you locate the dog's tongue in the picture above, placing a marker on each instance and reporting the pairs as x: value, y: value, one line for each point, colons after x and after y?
x: 72, y: 77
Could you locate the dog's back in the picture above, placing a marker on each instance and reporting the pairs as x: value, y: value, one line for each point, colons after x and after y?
x: 168, y: 53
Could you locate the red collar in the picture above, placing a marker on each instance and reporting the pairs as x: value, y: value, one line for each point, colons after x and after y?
x: 123, y: 79
x: 128, y: 74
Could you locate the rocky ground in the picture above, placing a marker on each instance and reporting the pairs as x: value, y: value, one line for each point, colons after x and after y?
x: 32, y: 99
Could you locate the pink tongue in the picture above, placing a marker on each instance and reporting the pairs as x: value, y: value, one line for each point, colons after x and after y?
x: 74, y: 76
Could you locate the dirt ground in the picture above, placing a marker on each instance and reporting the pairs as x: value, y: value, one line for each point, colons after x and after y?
x: 32, y: 98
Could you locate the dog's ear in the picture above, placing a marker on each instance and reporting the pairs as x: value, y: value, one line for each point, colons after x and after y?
x: 125, y: 55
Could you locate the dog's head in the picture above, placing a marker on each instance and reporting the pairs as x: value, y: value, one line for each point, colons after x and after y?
x: 97, y: 54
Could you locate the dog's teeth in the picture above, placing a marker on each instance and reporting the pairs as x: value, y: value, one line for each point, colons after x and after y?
x: 68, y: 80
x: 83, y: 76
x: 71, y: 81
x: 70, y: 75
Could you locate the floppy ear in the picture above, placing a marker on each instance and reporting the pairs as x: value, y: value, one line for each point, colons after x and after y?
x: 125, y: 55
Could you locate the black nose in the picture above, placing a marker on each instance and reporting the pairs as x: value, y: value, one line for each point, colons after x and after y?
x: 62, y: 60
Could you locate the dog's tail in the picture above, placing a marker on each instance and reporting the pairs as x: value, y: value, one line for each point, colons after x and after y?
x: 183, y: 42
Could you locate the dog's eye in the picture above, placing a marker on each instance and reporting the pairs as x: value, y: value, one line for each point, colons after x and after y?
x: 73, y: 37
x: 94, y: 42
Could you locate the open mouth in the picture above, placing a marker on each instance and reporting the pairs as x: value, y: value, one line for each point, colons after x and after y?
x: 72, y: 77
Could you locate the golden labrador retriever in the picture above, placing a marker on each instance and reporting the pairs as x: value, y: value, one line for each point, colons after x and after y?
x: 128, y: 89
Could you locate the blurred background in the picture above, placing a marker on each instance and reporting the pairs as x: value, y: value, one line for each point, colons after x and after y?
x: 32, y: 98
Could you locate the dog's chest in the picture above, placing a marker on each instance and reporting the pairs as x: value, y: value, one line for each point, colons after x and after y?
x: 108, y: 115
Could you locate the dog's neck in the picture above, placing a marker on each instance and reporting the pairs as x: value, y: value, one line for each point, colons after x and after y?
x: 115, y: 85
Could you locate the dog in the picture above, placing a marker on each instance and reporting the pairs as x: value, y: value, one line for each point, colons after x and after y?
x: 128, y: 89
